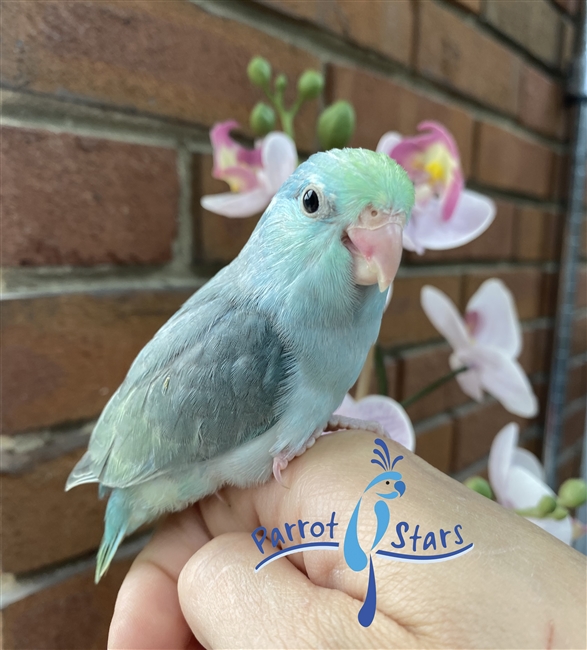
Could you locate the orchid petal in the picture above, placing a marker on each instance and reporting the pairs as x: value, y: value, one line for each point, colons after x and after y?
x: 390, y: 415
x: 432, y: 133
x: 452, y: 195
x: 237, y: 204
x: 280, y: 159
x: 524, y: 490
x: 501, y: 457
x: 388, y: 142
x: 469, y: 380
x: 472, y: 215
x: 232, y: 162
x: 526, y: 459
x: 504, y: 378
x: 443, y: 314
x: 561, y: 529
x: 497, y: 320
x: 440, y: 134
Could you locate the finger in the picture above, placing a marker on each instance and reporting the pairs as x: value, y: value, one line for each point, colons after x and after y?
x: 147, y: 614
x: 328, y: 478
x: 278, y: 607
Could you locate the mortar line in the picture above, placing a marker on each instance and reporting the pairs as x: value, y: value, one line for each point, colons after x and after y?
x: 183, y: 244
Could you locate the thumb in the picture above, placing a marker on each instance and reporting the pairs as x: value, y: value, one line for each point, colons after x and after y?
x: 228, y: 605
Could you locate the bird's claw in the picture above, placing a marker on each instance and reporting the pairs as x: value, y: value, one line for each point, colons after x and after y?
x: 341, y: 422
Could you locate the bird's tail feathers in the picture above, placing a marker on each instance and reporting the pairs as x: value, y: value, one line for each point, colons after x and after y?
x: 83, y: 472
x: 117, y: 523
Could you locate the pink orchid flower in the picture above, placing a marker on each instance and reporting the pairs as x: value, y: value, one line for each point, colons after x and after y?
x: 445, y: 214
x: 518, y: 481
x: 254, y: 175
x: 387, y: 412
x: 488, y: 341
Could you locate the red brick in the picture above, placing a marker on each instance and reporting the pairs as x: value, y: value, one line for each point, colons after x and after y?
x: 509, y: 162
x: 379, y: 25
x: 63, y: 356
x: 73, y: 200
x: 391, y: 377
x: 434, y: 444
x: 472, y: 5
x: 539, y: 235
x: 74, y: 613
x: 526, y: 284
x: 533, y: 445
x: 568, y: 45
x: 168, y: 58
x: 457, y: 54
x: 541, y: 103
x: 217, y: 239
x: 53, y: 525
x: 474, y: 432
x: 579, y: 335
x: 549, y: 293
x: 496, y: 243
x: 560, y: 176
x: 577, y: 381
x: 536, y: 349
x: 382, y: 105
x: 405, y: 321
x: 418, y: 370
x: 574, y: 426
x: 534, y: 25
x: 571, y: 6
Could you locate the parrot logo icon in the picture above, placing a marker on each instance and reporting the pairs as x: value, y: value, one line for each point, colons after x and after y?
x: 388, y: 485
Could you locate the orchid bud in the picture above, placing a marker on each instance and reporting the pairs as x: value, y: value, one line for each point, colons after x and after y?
x: 280, y: 82
x: 559, y: 513
x: 479, y: 485
x: 310, y: 84
x: 336, y: 125
x: 546, y: 505
x: 572, y: 493
x: 262, y: 119
x: 259, y: 71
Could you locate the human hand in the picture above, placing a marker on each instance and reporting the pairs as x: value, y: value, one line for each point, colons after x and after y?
x: 518, y: 587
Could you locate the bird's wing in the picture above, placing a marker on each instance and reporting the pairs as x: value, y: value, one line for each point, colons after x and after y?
x: 210, y: 380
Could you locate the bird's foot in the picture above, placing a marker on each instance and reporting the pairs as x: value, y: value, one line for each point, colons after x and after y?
x: 342, y: 423
x: 335, y: 423
x: 281, y: 461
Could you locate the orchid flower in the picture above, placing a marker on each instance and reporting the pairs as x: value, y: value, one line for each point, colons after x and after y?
x: 387, y: 412
x: 445, y: 214
x: 254, y: 175
x: 518, y: 481
x: 487, y: 342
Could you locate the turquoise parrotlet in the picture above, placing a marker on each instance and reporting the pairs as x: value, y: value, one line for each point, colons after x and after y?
x: 249, y: 371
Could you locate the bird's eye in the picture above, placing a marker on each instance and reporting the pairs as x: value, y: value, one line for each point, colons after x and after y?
x: 386, y: 482
x: 310, y: 201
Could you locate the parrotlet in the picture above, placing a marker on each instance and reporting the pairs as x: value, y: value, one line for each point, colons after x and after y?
x: 249, y: 371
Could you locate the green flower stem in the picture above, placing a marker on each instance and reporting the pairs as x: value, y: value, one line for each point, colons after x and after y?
x: 285, y: 116
x: 432, y: 387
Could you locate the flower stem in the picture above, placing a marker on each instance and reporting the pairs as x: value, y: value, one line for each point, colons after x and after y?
x: 432, y: 387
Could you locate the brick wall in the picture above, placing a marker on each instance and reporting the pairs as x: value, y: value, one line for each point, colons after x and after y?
x: 105, y: 154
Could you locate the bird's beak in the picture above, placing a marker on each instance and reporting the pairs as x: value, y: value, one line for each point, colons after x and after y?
x: 376, y: 246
